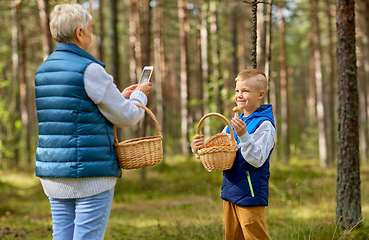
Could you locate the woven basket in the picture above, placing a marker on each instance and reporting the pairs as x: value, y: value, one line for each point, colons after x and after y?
x: 140, y: 152
x: 218, y: 158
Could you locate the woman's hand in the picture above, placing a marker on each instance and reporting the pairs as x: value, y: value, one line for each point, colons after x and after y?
x: 239, y: 126
x: 128, y: 91
x: 145, y: 88
x: 197, y: 142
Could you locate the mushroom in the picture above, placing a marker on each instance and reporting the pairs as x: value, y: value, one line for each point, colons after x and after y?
x: 236, y: 110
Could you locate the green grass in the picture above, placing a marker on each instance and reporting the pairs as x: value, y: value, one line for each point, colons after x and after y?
x: 180, y: 200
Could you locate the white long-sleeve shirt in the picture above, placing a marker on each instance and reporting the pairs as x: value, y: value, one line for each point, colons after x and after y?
x: 255, y: 148
x: 121, y: 112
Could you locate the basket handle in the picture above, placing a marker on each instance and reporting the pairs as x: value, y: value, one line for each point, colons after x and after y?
x: 220, y: 116
x: 158, y: 130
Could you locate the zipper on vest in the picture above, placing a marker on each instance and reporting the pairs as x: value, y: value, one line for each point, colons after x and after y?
x: 250, y: 184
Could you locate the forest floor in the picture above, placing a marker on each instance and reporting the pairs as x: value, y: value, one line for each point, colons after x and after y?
x: 180, y: 200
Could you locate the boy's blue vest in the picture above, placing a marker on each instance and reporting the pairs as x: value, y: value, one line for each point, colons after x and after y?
x: 236, y: 187
x: 75, y: 139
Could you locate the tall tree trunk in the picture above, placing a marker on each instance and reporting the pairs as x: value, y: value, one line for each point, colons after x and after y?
x: 234, y: 37
x: 204, y: 64
x: 183, y: 39
x: 199, y: 111
x: 331, y: 136
x: 311, y: 102
x: 132, y: 43
x: 348, y: 164
x: 115, y: 42
x: 268, y: 53
x: 254, y: 35
x: 363, y: 8
x: 319, y: 85
x: 138, y: 48
x: 158, y: 57
x: 145, y: 37
x: 284, y: 90
x: 43, y: 6
x: 261, y: 40
x: 101, y: 31
x: 93, y: 46
x: 217, y: 103
x: 14, y: 90
x: 146, y: 61
x: 23, y: 90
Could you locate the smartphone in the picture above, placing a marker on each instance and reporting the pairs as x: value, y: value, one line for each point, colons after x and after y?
x: 146, y: 74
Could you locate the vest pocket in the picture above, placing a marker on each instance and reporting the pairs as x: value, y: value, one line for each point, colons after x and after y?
x: 250, y: 184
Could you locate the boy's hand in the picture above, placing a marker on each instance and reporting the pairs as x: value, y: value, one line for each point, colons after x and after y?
x: 239, y: 126
x: 197, y: 142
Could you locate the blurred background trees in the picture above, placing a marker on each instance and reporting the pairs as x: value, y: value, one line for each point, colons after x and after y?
x: 198, y: 47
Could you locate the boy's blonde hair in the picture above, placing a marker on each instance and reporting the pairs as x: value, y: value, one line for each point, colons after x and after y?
x: 257, y: 75
x: 65, y: 19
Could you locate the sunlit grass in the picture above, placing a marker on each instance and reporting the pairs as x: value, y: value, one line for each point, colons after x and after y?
x: 181, y: 200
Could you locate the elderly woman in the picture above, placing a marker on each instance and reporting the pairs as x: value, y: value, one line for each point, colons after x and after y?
x: 77, y: 105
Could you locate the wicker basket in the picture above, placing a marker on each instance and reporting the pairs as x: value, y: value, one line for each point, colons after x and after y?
x: 218, y: 158
x: 140, y: 152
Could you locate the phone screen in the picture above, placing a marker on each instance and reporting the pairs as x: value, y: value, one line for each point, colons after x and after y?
x: 145, y: 77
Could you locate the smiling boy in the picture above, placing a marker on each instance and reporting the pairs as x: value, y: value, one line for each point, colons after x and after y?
x: 245, y: 185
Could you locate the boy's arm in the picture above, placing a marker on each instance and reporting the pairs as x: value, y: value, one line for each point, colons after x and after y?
x: 197, y: 143
x: 255, y: 148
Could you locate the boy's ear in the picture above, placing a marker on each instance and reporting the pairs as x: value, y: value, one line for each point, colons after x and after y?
x: 261, y: 95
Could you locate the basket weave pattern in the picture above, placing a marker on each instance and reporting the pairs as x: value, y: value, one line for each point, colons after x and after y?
x: 140, y: 152
x: 218, y: 158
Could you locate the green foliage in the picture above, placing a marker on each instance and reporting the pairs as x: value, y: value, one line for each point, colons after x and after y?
x: 180, y: 200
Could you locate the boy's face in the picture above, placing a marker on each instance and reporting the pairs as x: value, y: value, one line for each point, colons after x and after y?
x: 248, y: 97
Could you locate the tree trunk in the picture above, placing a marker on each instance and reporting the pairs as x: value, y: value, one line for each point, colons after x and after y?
x: 158, y: 59
x: 234, y: 38
x: 115, y: 42
x: 43, y: 6
x: 261, y: 40
x: 269, y: 98
x: 93, y: 46
x: 23, y: 91
x: 363, y: 86
x: 284, y: 92
x: 204, y: 65
x: 348, y: 163
x: 214, y: 57
x: 183, y: 39
x: 311, y: 102
x: 331, y: 124
x: 14, y: 90
x: 319, y: 85
x: 101, y: 31
x: 254, y: 35
x: 146, y: 59
x: 132, y: 43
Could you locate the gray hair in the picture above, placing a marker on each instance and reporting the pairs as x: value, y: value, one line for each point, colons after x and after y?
x: 65, y: 19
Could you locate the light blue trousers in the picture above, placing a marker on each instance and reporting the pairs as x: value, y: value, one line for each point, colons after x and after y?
x: 81, y: 218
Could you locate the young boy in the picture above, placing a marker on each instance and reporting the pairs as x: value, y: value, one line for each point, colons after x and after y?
x: 245, y: 185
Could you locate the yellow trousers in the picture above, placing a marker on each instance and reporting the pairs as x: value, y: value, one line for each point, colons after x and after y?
x: 244, y: 223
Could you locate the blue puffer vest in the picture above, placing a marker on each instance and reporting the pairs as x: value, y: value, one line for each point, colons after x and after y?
x: 75, y: 139
x: 243, y: 184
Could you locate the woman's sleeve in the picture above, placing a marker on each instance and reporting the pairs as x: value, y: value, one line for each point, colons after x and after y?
x: 112, y: 104
x: 255, y: 148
